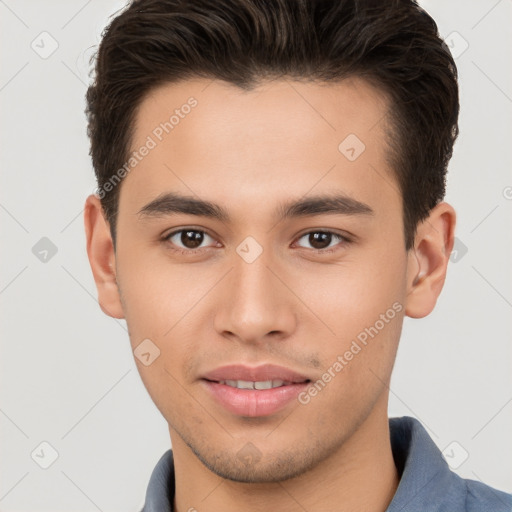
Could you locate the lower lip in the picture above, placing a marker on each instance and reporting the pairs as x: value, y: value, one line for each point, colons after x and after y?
x: 253, y: 403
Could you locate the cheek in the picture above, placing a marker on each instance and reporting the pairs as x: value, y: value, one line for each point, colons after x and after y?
x: 360, y: 312
x: 357, y: 360
x: 158, y: 301
x: 352, y: 296
x: 157, y: 293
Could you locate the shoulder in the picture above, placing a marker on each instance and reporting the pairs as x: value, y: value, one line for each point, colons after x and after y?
x: 427, y: 482
x: 480, y: 496
x: 161, y: 487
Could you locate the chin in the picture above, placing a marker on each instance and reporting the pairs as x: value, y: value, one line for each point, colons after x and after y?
x: 261, y: 469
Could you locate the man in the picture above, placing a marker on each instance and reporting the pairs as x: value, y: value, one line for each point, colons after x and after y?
x: 270, y: 206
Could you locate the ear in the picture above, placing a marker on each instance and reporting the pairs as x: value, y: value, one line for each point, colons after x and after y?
x: 100, y: 250
x: 428, y: 260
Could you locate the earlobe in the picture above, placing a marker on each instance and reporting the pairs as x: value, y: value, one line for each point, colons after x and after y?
x: 428, y: 260
x: 100, y: 251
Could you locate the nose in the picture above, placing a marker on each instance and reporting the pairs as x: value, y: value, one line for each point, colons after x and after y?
x: 255, y: 303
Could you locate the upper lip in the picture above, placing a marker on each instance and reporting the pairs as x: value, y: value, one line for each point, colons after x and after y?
x: 255, y: 374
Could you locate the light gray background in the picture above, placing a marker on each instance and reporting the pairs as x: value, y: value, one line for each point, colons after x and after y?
x: 67, y: 373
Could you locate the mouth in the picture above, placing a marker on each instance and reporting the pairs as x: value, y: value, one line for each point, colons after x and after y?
x: 254, y: 392
x: 259, y: 385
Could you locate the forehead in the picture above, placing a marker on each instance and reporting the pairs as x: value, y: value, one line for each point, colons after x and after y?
x: 299, y: 110
x: 209, y: 137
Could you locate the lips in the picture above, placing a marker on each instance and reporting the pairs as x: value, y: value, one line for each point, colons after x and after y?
x: 256, y: 374
x: 254, y: 391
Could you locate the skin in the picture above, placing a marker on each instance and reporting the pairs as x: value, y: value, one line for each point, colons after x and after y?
x: 292, y: 306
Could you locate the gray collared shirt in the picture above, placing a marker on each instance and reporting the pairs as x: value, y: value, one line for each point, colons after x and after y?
x: 427, y: 484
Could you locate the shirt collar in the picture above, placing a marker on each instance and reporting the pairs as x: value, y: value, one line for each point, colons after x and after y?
x: 425, y: 478
x: 424, y: 474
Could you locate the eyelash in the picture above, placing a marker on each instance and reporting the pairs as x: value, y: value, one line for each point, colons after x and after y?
x: 187, y: 252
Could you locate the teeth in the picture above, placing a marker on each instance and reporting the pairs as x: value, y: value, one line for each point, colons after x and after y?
x: 247, y: 384
x: 243, y: 384
x: 268, y: 384
x: 264, y: 385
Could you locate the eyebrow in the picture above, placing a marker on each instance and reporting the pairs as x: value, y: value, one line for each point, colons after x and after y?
x: 173, y: 203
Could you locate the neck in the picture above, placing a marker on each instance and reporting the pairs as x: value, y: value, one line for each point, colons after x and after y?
x: 360, y: 475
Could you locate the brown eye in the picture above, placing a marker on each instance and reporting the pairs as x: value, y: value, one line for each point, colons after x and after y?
x: 322, y: 240
x: 190, y: 239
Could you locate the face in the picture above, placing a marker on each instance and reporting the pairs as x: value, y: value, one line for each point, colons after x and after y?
x: 250, y: 288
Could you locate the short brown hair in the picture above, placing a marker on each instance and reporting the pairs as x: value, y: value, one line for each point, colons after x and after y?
x: 395, y: 45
